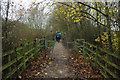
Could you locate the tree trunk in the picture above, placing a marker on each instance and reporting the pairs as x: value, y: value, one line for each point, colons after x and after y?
x: 7, y: 11
x: 108, y: 28
x: 99, y: 26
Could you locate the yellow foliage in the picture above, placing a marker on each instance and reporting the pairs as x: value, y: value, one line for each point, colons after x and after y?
x: 80, y: 4
x: 81, y: 17
x: 116, y: 9
x: 90, y: 46
x: 69, y: 9
x: 79, y: 51
x: 92, y: 10
x: 50, y: 14
x: 72, y: 8
x: 72, y: 17
x: 77, y: 9
x: 60, y: 4
x: 96, y: 40
x: 21, y: 14
x: 115, y: 35
x: 33, y: 3
x: 85, y: 8
x: 75, y: 3
x: 68, y: 15
x: 105, y: 42
x: 87, y: 18
x: 64, y: 12
x: 74, y: 20
x: 73, y: 11
x: 68, y: 20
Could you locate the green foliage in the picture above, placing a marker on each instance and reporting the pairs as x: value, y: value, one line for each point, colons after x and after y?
x: 73, y: 30
x: 14, y: 32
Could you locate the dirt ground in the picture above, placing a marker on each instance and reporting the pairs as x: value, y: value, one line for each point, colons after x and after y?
x: 59, y: 64
x: 55, y: 65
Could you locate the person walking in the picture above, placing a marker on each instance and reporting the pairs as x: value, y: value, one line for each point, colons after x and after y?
x: 58, y: 36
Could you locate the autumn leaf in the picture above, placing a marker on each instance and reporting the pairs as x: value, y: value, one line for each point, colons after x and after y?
x: 56, y: 77
x: 21, y: 14
x: 20, y: 77
x: 33, y: 3
x: 65, y: 58
x: 79, y: 51
x: 50, y: 14
x: 34, y: 71
x: 77, y: 9
x: 72, y: 58
x: 49, y: 62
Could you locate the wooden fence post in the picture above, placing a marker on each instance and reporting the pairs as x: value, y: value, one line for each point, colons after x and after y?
x: 16, y: 56
x: 9, y: 59
x: 106, y: 63
x: 36, y: 48
x: 24, y: 66
x: 84, y: 57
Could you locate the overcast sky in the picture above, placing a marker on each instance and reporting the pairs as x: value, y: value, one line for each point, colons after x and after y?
x: 25, y: 3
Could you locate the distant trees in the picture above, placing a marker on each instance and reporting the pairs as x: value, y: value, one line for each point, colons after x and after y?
x: 78, y: 19
x: 19, y: 23
x: 88, y: 20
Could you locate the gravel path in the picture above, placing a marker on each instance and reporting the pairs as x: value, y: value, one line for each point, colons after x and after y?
x: 59, y: 64
x: 59, y: 68
x: 55, y: 65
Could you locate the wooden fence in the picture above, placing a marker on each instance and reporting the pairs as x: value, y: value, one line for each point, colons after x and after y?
x: 105, y: 62
x: 18, y: 59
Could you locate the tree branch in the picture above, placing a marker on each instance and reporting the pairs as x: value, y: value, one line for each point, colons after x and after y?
x: 94, y: 19
x: 93, y: 8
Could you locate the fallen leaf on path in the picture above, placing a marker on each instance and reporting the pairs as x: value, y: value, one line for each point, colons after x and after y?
x: 72, y: 58
x: 38, y: 61
x: 37, y: 74
x: 49, y: 62
x: 81, y: 63
x: 75, y: 60
x: 34, y: 71
x: 65, y: 58
x: 45, y: 73
x: 56, y: 65
x: 56, y: 77
x: 60, y: 71
x: 20, y: 77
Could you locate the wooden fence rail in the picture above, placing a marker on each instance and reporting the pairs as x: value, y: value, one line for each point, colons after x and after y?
x: 17, y: 60
x: 104, y: 61
x: 108, y: 63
